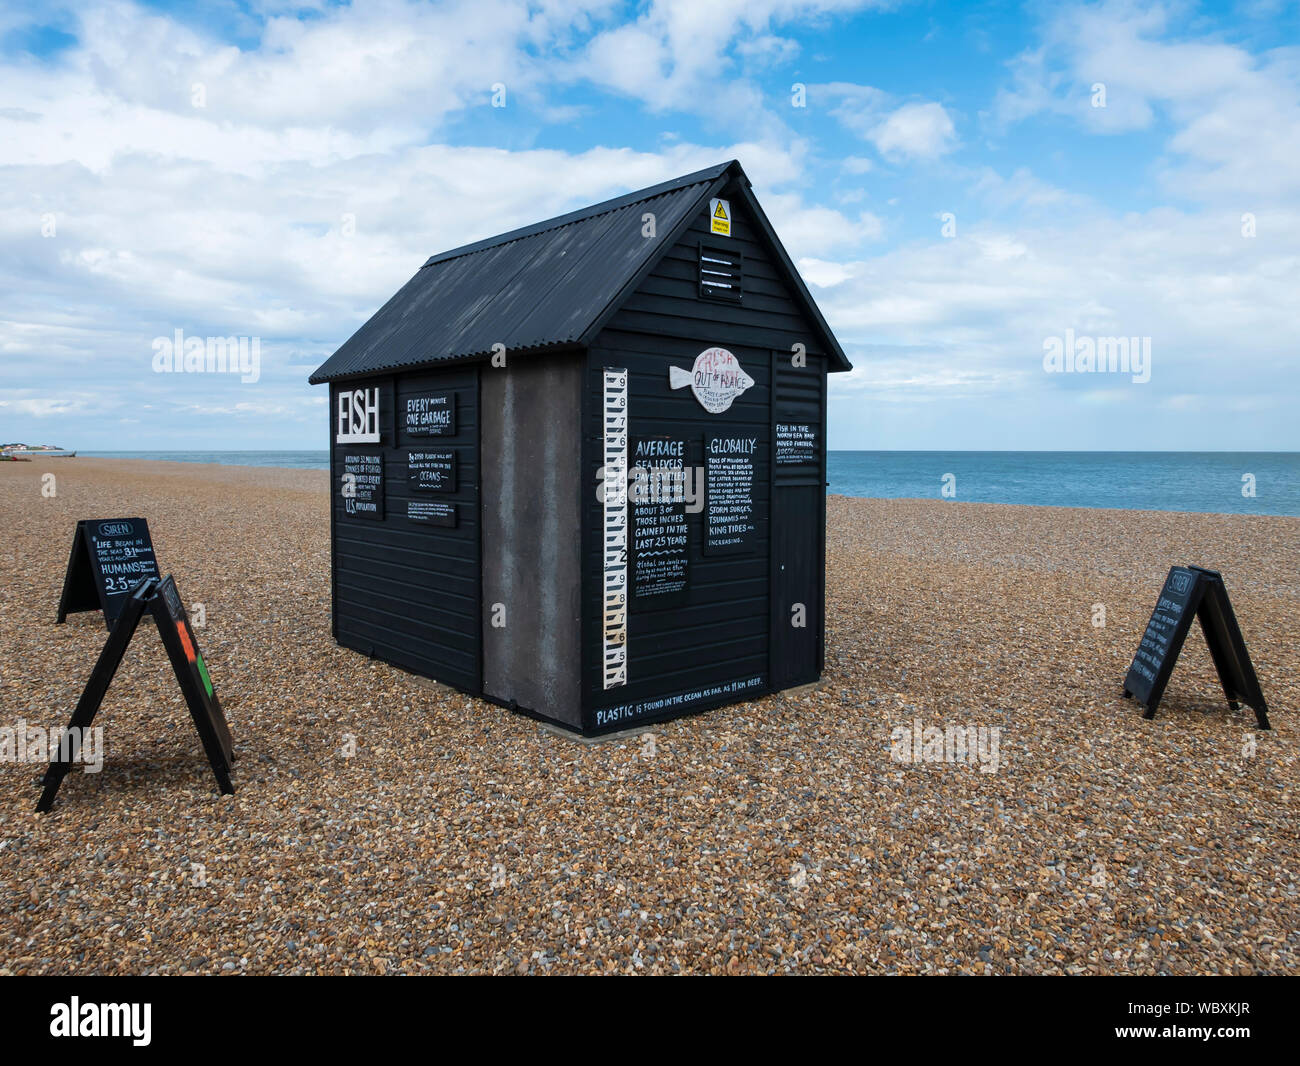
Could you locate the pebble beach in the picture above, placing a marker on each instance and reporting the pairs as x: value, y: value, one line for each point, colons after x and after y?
x: 781, y: 835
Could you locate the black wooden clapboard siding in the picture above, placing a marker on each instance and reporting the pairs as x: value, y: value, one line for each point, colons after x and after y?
x: 720, y: 630
x: 797, y: 396
x: 799, y: 522
x: 724, y: 615
x: 406, y: 591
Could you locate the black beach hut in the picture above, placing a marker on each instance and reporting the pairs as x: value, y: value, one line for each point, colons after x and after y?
x: 579, y: 469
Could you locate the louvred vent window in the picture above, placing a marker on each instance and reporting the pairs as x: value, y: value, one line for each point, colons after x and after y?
x: 721, y: 273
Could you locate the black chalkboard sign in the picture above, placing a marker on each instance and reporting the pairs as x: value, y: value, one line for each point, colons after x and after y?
x: 192, y: 675
x: 432, y: 512
x: 362, y: 484
x: 796, y: 444
x: 730, y: 524
x: 431, y: 471
x: 660, y: 483
x: 163, y: 601
x: 110, y: 556
x: 1194, y: 592
x: 430, y: 414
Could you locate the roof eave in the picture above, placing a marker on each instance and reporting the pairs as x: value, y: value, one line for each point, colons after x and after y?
x: 558, y: 347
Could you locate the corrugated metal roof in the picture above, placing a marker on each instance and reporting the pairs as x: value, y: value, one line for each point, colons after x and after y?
x: 537, y: 287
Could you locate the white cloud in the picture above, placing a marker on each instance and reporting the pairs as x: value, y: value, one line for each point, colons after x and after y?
x: 366, y: 78
x: 979, y: 307
x: 1023, y: 191
x: 822, y: 273
x: 168, y: 217
x: 679, y: 53
x: 1236, y: 114
x: 804, y: 229
x: 46, y: 406
x: 916, y: 130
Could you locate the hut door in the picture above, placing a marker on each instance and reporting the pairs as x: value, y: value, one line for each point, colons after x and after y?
x: 796, y: 601
x: 798, y: 511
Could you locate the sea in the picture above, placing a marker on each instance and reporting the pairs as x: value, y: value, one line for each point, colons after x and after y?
x: 1221, y: 482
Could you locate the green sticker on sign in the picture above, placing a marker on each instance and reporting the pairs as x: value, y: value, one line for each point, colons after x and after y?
x: 203, y: 673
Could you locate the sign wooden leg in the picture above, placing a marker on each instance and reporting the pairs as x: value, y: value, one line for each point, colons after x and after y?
x: 100, y: 677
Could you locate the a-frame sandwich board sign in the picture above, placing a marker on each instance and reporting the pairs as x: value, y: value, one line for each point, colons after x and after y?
x: 110, y: 556
x: 1194, y: 592
x: 163, y: 601
x: 192, y: 675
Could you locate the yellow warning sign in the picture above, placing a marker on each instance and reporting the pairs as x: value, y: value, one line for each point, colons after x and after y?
x: 720, y: 217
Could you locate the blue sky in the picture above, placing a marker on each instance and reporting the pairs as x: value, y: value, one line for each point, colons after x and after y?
x: 955, y: 189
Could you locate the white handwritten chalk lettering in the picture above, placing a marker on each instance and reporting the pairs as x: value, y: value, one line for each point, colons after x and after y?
x: 729, y: 492
x: 659, y: 486
x: 431, y: 415
x: 363, y: 484
x: 733, y: 446
x: 627, y: 711
x: 716, y: 379
x: 795, y: 443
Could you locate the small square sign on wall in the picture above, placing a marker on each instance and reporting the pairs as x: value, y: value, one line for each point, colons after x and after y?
x: 720, y: 217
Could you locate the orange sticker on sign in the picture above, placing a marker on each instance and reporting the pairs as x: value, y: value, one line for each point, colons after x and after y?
x: 186, y: 643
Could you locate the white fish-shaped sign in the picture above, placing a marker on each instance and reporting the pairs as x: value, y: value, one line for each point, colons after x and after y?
x: 717, y: 378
